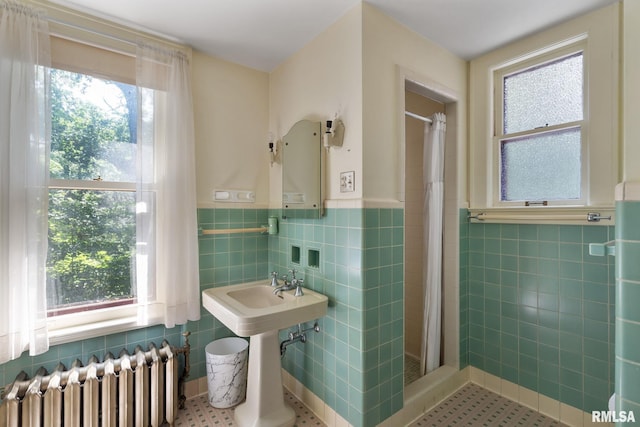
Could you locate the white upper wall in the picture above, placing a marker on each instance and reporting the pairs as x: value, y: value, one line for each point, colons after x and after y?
x: 390, y: 50
x: 320, y: 80
x: 350, y: 69
x: 231, y: 110
x: 631, y: 92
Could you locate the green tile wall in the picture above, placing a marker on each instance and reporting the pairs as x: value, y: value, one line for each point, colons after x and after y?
x: 226, y: 259
x: 628, y: 307
x: 464, y: 289
x: 535, y: 308
x: 355, y: 364
x: 541, y: 309
x: 223, y: 260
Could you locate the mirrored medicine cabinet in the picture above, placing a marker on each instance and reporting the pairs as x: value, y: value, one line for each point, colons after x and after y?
x: 302, y: 171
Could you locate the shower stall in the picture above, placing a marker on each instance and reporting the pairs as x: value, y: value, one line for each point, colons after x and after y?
x: 431, y: 306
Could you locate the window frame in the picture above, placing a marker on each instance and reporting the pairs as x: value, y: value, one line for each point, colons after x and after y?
x: 145, y: 310
x: 96, y: 50
x: 521, y: 65
x: 107, y: 317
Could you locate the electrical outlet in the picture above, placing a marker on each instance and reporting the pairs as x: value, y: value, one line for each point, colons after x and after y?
x: 347, y: 182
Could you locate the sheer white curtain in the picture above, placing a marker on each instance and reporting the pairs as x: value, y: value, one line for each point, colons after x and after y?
x: 167, y: 231
x: 24, y: 173
x: 433, y: 180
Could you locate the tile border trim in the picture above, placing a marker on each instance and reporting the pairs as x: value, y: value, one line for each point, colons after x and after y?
x: 547, y: 406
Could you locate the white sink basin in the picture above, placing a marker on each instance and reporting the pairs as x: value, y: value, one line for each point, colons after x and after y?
x: 259, y: 297
x: 252, y: 308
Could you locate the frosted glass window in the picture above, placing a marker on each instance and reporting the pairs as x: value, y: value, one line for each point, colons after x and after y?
x: 541, y: 167
x: 544, y: 95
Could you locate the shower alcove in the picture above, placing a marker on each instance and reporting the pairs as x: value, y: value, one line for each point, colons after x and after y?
x: 424, y: 98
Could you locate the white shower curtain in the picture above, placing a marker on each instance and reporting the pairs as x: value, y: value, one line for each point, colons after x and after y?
x: 433, y: 180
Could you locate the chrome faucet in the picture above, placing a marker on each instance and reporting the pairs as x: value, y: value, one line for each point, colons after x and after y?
x: 274, y: 279
x: 287, y: 285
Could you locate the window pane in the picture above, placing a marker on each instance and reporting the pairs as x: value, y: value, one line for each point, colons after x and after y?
x: 91, y: 242
x: 541, y: 167
x: 549, y: 94
x: 93, y: 128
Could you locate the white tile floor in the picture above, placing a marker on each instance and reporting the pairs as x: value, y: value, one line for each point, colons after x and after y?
x: 472, y: 405
x: 198, y: 413
x: 411, y: 369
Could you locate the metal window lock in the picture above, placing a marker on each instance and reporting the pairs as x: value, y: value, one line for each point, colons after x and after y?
x: 536, y: 203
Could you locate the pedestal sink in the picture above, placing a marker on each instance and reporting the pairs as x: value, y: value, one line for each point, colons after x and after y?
x: 253, y: 310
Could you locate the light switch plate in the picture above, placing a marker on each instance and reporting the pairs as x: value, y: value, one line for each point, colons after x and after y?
x: 347, y: 181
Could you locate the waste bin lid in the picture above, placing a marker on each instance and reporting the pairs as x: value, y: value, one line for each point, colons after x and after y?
x: 229, y: 345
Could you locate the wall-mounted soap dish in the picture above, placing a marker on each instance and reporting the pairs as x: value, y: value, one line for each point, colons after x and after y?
x: 602, y: 249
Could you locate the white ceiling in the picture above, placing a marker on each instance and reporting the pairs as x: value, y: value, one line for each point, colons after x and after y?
x: 261, y: 34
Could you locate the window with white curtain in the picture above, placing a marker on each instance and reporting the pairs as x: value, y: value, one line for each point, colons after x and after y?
x: 121, y: 190
x: 98, y: 227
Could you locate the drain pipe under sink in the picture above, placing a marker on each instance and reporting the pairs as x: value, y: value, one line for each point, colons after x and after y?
x: 295, y: 336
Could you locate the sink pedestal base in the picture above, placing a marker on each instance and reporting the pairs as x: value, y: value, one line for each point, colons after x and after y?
x: 265, y: 405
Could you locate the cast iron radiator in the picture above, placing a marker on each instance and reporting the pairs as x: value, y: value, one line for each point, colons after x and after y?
x: 139, y: 389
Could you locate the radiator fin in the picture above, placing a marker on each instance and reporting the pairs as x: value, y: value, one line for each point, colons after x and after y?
x: 125, y: 390
x: 73, y: 397
x: 109, y: 393
x: 53, y: 399
x: 91, y: 395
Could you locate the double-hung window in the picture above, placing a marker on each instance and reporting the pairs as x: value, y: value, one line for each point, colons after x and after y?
x: 92, y: 230
x: 91, y: 268
x: 543, y: 123
x: 539, y: 134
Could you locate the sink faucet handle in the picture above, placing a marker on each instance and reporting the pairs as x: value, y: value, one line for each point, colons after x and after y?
x: 274, y: 278
x: 299, y: 292
x: 293, y: 273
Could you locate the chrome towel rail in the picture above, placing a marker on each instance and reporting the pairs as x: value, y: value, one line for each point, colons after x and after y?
x: 234, y: 231
x: 589, y: 217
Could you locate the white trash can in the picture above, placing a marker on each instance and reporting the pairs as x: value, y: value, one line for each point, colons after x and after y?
x: 227, y: 362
